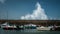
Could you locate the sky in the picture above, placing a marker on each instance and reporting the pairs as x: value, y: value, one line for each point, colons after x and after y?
x: 30, y: 9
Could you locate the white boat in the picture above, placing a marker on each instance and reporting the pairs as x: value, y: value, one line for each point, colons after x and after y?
x: 43, y: 28
x: 55, y: 28
x: 30, y: 26
x: 7, y: 26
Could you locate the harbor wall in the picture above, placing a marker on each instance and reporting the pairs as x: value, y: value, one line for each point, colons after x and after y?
x: 37, y: 22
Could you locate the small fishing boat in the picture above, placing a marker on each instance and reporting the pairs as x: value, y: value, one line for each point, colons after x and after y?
x: 30, y: 26
x: 6, y: 26
x: 55, y: 28
x: 42, y: 28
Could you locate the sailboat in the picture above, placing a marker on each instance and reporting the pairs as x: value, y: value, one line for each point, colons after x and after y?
x: 6, y: 26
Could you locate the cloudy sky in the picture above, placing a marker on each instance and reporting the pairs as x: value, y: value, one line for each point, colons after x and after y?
x: 30, y: 9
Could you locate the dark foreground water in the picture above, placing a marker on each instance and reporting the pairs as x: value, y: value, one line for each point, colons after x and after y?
x: 31, y: 31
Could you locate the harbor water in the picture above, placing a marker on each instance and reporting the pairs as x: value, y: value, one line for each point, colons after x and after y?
x: 27, y: 31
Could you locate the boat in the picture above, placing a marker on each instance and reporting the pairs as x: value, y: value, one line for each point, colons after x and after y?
x: 55, y: 28
x: 6, y: 26
x: 42, y: 28
x: 30, y: 26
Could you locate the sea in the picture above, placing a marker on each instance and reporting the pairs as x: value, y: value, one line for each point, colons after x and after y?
x: 27, y: 31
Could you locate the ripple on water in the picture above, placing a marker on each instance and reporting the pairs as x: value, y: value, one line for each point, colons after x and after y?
x: 30, y: 31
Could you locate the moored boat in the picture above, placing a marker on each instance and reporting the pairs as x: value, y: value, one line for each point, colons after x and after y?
x: 6, y: 26
x: 42, y: 28
x: 55, y: 28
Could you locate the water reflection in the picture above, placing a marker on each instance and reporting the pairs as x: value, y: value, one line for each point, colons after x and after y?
x: 30, y: 31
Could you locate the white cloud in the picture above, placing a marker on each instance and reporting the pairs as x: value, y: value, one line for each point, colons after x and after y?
x: 38, y: 14
x: 2, y: 1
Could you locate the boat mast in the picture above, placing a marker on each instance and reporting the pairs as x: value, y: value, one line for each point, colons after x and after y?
x: 7, y: 15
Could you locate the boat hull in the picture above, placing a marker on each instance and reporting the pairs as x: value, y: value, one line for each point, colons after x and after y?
x: 12, y: 28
